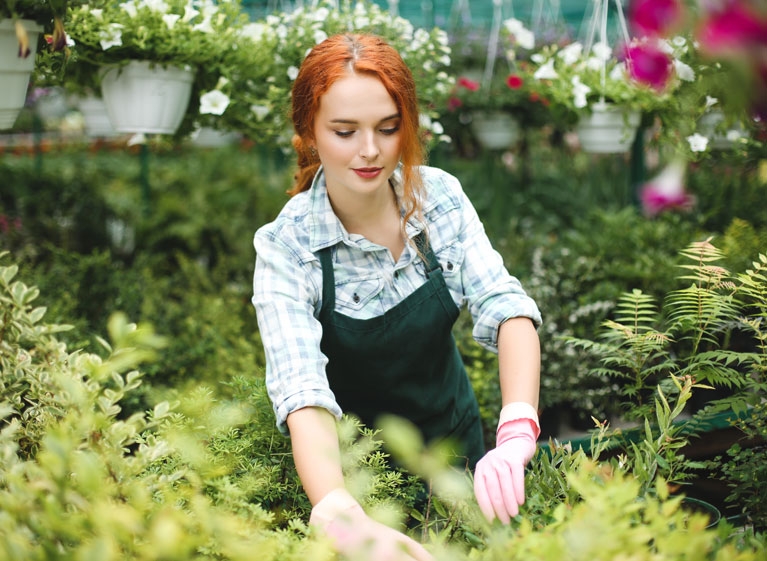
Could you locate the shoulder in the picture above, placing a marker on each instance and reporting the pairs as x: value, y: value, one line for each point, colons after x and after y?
x: 442, y: 191
x: 289, y: 231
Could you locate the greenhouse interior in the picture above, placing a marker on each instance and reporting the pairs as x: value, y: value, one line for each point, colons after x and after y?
x: 168, y: 376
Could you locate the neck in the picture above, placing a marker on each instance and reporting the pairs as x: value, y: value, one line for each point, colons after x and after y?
x: 358, y: 212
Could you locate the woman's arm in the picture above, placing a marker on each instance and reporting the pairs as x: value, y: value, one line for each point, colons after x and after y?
x: 316, y: 451
x: 519, y: 361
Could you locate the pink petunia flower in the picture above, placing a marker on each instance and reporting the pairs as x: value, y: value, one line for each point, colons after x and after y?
x: 648, y: 64
x: 732, y: 30
x: 651, y: 18
x: 666, y: 191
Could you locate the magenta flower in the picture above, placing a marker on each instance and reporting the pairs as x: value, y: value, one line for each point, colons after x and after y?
x: 648, y: 64
x: 733, y: 30
x: 470, y: 85
x: 666, y: 191
x: 654, y: 17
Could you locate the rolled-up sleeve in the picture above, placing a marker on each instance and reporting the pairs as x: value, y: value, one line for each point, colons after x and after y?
x: 493, y: 295
x: 284, y: 297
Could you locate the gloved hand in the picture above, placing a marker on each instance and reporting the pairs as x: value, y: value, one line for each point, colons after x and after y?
x: 499, y: 478
x: 358, y: 536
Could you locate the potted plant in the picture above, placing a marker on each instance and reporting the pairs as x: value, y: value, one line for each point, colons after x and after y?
x: 25, y: 25
x: 596, y: 94
x: 152, y: 60
x: 500, y: 102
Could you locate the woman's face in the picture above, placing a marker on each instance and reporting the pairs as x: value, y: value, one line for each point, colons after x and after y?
x: 357, y: 136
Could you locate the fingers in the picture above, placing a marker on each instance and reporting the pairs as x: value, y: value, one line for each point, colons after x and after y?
x: 499, y: 487
x: 518, y: 482
x: 490, y: 485
x: 481, y: 492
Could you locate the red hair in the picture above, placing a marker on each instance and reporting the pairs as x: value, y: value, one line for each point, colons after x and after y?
x: 335, y: 58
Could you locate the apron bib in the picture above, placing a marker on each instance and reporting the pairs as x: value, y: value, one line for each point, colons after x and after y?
x: 404, y: 362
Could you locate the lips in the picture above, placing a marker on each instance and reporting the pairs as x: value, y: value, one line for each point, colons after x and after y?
x: 367, y: 173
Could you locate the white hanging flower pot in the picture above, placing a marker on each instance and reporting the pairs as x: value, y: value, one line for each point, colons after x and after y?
x: 708, y: 126
x: 95, y: 117
x: 495, y: 130
x: 142, y: 98
x: 14, y: 70
x: 609, y: 129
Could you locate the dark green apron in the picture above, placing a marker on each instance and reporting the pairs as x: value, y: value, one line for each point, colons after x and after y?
x: 404, y: 363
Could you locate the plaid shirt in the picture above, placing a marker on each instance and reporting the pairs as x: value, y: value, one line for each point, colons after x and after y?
x: 287, y: 284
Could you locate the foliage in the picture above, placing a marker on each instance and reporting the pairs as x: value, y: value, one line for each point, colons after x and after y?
x: 166, y: 33
x: 262, y: 90
x: 510, y: 88
x: 575, y: 80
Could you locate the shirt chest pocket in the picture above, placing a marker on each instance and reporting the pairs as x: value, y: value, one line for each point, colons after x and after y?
x: 450, y: 259
x: 355, y: 294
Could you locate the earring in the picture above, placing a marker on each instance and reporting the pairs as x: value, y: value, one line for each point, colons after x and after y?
x: 313, y: 150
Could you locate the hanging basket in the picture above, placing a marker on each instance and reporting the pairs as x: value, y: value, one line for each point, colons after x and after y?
x: 495, y: 130
x: 608, y: 129
x: 141, y: 98
x: 95, y: 117
x: 708, y: 126
x: 14, y: 70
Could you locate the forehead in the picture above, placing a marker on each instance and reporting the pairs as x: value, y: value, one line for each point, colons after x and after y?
x: 356, y: 97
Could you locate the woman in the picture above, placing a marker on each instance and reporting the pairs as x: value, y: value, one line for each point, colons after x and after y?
x: 357, y: 285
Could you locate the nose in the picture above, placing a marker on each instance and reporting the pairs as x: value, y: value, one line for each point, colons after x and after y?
x: 369, y: 147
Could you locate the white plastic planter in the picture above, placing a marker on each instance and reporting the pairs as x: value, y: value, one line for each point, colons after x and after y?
x: 142, y: 98
x: 608, y: 129
x: 495, y: 130
x: 14, y: 70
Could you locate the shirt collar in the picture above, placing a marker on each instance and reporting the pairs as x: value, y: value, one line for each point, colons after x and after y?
x: 325, y: 227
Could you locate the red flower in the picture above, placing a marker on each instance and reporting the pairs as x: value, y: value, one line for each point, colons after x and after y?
x: 454, y: 103
x: 470, y: 85
x: 648, y: 64
x: 514, y: 82
x: 654, y: 17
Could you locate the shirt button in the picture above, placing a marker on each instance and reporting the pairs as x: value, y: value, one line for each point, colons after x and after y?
x: 356, y: 298
x: 449, y: 266
x: 396, y: 274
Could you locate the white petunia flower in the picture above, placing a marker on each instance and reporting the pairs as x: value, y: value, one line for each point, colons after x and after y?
x: 129, y: 8
x: 156, y: 5
x: 711, y: 101
x: 292, y: 72
x: 170, y: 20
x: 190, y: 13
x: 571, y: 53
x: 697, y: 142
x: 684, y: 71
x: 546, y: 71
x: 602, y: 51
x: 111, y: 36
x: 319, y: 36
x: 260, y: 111
x: 214, y: 102
x: 98, y: 13
x: 579, y: 92
x: 205, y: 26
x: 618, y: 72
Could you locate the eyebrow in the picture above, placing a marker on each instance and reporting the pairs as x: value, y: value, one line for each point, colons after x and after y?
x: 354, y: 122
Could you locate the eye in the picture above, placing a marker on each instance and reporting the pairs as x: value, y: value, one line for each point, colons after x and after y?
x: 344, y: 134
x: 390, y: 130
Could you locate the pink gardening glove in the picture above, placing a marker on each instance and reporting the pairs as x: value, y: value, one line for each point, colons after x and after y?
x: 499, y: 478
x: 358, y: 536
